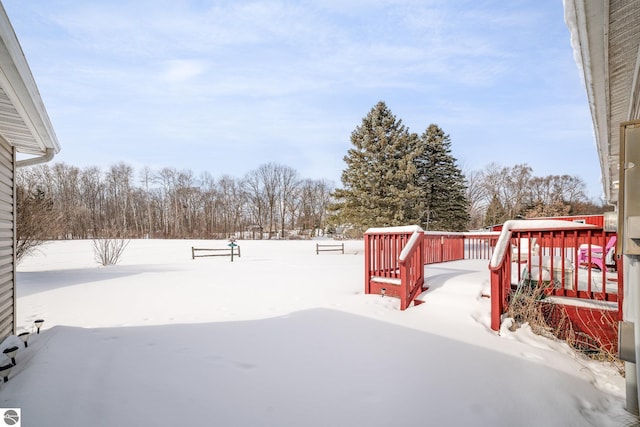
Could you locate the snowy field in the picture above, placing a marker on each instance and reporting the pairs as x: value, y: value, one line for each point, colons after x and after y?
x: 281, y: 337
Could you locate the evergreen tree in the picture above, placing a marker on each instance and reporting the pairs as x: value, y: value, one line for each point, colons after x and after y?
x: 442, y: 184
x: 379, y: 181
x: 496, y: 213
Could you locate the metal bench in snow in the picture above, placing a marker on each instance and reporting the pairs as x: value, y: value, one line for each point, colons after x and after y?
x: 325, y: 248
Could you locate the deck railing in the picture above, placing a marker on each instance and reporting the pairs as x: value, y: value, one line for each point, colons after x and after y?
x: 542, y: 256
x: 411, y: 269
x: 444, y: 246
x: 394, y: 263
x: 550, y: 258
x: 395, y: 257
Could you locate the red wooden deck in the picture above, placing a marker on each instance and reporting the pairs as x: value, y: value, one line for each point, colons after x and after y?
x: 394, y: 263
x: 395, y: 259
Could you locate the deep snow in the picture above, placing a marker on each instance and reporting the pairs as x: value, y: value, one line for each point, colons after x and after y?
x: 281, y: 337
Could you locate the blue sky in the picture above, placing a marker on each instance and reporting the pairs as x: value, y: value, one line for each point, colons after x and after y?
x: 225, y: 86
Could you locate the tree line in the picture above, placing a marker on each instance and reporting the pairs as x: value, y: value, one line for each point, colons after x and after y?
x: 67, y: 202
x: 500, y: 193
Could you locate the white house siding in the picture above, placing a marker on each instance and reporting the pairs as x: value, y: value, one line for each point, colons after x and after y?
x: 25, y: 128
x: 7, y: 240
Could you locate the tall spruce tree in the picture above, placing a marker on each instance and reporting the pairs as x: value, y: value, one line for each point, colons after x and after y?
x: 442, y: 184
x: 379, y: 181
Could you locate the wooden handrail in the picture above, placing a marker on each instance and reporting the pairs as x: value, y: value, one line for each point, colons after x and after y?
x: 411, y: 269
x: 558, y: 243
x: 394, y: 262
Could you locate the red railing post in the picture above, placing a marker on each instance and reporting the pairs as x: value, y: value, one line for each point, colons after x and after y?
x: 554, y: 263
x: 496, y: 298
x: 403, y: 286
x: 411, y: 269
x: 367, y: 264
x: 555, y: 253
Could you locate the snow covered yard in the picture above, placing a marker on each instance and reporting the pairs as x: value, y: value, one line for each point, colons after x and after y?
x: 281, y: 337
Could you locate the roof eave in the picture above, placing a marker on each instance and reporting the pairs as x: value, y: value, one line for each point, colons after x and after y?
x: 587, y: 22
x: 20, y: 87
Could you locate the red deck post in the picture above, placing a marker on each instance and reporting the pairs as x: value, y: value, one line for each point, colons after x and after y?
x: 496, y: 298
x: 384, y: 268
x: 367, y: 264
x: 559, y: 247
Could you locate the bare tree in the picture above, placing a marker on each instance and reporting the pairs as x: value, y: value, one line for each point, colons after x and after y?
x: 66, y: 194
x: 509, y: 185
x: 257, y: 201
x: 288, y: 183
x: 320, y: 201
x: 36, y: 218
x: 516, y: 188
x: 92, y: 194
x: 230, y: 201
x: 571, y: 189
x: 269, y: 178
x: 477, y: 198
x: 187, y: 203
x: 166, y: 179
x: 146, y: 180
x: 109, y: 248
x: 555, y: 195
x: 118, y: 186
x: 511, y: 192
x: 169, y: 203
x: 209, y: 202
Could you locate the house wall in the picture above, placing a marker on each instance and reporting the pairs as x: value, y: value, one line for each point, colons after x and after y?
x: 7, y: 240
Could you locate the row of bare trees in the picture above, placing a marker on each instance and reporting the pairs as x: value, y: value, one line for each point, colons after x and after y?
x: 62, y: 201
x: 268, y: 202
x: 499, y: 193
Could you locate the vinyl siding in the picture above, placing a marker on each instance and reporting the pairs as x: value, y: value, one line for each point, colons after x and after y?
x: 7, y: 243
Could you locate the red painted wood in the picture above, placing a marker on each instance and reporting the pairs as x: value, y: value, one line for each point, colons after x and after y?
x: 593, y: 328
x: 382, y: 259
x: 368, y: 267
x: 559, y: 246
x: 412, y: 273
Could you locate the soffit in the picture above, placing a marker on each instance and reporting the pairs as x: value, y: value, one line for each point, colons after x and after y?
x: 606, y: 39
x: 24, y: 122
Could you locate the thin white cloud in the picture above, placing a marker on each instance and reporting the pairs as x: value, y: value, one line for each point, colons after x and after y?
x: 181, y: 70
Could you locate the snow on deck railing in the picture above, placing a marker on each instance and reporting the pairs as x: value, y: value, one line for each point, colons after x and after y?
x: 504, y: 241
x: 394, y: 262
x: 546, y: 252
x: 403, y: 229
x: 386, y: 248
x: 411, y: 269
x: 410, y: 246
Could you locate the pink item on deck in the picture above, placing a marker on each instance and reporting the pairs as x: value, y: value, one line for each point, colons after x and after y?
x: 597, y: 257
